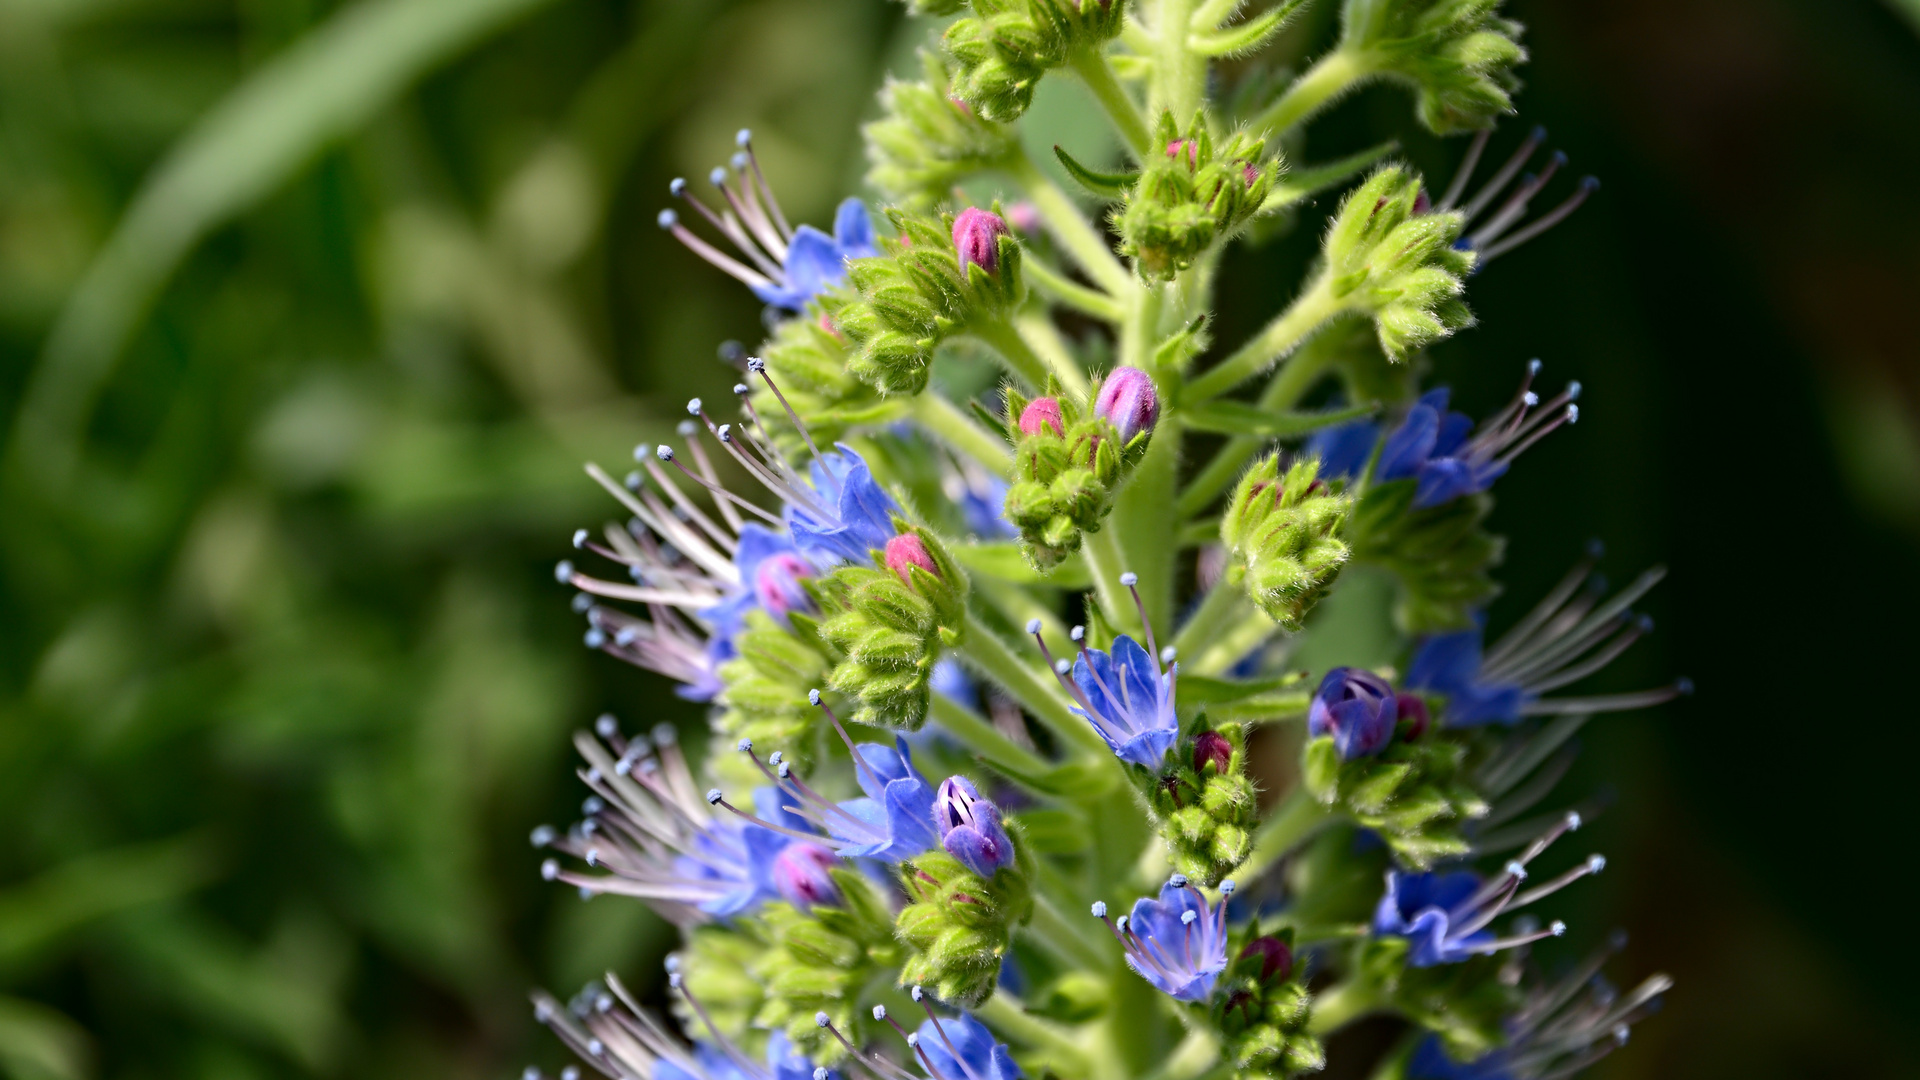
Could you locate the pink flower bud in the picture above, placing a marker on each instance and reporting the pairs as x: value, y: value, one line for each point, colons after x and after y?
x: 1189, y: 147
x: 1212, y: 748
x: 909, y: 550
x: 977, y: 234
x: 1250, y: 173
x: 1128, y: 401
x: 1412, y: 707
x: 1276, y: 960
x: 776, y: 584
x: 1039, y: 413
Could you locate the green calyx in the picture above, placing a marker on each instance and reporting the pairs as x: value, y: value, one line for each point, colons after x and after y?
x: 1392, y: 260
x: 959, y: 925
x: 822, y: 961
x: 1005, y: 46
x: 916, y: 294
x: 1458, y: 56
x: 927, y: 141
x: 1190, y: 195
x: 1206, y: 809
x: 807, y: 357
x: 1410, y: 793
x: 1465, y: 1004
x: 717, y: 963
x: 1441, y: 555
x: 766, y: 689
x: 888, y: 631
x: 1064, y: 477
x: 1284, y: 532
x: 1263, y: 1020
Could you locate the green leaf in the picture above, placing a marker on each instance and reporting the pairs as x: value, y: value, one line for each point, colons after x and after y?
x: 1241, y: 418
x: 1105, y: 185
x: 1194, y: 690
x: 1245, y: 37
x: 1299, y: 183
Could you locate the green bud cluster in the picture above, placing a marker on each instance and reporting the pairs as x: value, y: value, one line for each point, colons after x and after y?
x: 1441, y: 555
x: 889, y: 632
x: 1465, y: 1003
x: 807, y: 357
x: 766, y: 689
x: 822, y: 961
x: 1284, y: 532
x: 959, y: 925
x: 1206, y: 809
x: 1458, y: 56
x: 916, y: 294
x: 717, y: 963
x: 1191, y: 195
x: 1064, y: 479
x: 1005, y: 46
x: 1392, y: 260
x: 927, y: 141
x: 1263, y: 1020
x: 1409, y: 793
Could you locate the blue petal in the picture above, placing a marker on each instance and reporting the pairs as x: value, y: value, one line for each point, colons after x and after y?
x: 1147, y: 749
x: 975, y: 850
x: 1343, y: 449
x: 1139, y: 685
x: 1446, y: 663
x: 813, y: 262
x: 853, y: 230
x: 1454, y: 429
x: 909, y: 805
x: 1410, y: 444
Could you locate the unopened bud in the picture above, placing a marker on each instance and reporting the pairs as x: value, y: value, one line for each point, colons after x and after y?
x: 1041, y: 413
x: 1212, y: 748
x: 977, y: 233
x: 1276, y: 960
x: 907, y: 550
x: 1129, y: 402
x: 1412, y: 707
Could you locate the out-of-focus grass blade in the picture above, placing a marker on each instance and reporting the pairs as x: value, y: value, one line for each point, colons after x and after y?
x: 37, y: 1042
x: 321, y: 89
x: 37, y: 913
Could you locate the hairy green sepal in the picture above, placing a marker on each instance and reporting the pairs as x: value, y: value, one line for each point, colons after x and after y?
x: 1207, y: 816
x: 822, y: 961
x: 1457, y: 56
x: 1465, y: 1003
x: 1397, y: 265
x: 1064, y: 481
x: 926, y: 141
x: 1410, y: 793
x: 1005, y: 46
x: 1441, y: 555
x: 1284, y: 532
x: 1191, y: 195
x: 959, y: 925
x: 889, y: 632
x: 1263, y: 1023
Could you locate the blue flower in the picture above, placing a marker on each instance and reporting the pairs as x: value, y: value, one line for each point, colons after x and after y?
x: 815, y: 261
x: 848, y: 515
x: 983, y: 503
x: 619, y: 1039
x: 1343, y: 449
x: 1430, y: 1062
x: 1450, y: 664
x: 950, y: 680
x: 1178, y: 942
x: 1440, y: 451
x: 1128, y: 700
x: 970, y: 828
x: 895, y: 820
x: 1431, y: 912
x: 735, y: 861
x: 1356, y: 707
x: 982, y: 1057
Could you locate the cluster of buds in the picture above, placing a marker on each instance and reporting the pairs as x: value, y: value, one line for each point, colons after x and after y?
x: 1205, y: 805
x: 820, y: 959
x: 1366, y: 757
x: 1069, y: 460
x: 1005, y: 46
x: 965, y: 898
x: 890, y: 624
x: 1458, y: 56
x: 1284, y: 531
x: 927, y: 140
x: 1191, y: 196
x: 1263, y: 1006
x: 1391, y: 256
x: 937, y: 276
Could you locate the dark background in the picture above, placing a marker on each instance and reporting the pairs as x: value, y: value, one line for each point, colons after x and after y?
x: 284, y: 680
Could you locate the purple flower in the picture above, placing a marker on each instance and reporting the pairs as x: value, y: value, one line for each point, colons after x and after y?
x: 847, y: 515
x: 776, y: 584
x: 800, y: 875
x: 1128, y: 700
x: 977, y: 233
x: 977, y: 1054
x: 1178, y: 942
x: 1128, y: 401
x: 770, y: 569
x: 1357, y: 708
x: 970, y: 828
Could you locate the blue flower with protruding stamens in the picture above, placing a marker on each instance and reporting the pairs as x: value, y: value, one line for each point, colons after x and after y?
x: 816, y: 262
x: 1431, y: 445
x: 739, y: 858
x: 897, y: 810
x: 861, y: 510
x: 1178, y: 942
x: 1421, y: 908
x: 770, y: 569
x: 983, y: 1057
x: 1450, y: 664
x: 1343, y: 449
x: 1132, y: 700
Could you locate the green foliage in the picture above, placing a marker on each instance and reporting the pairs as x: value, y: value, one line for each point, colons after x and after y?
x: 1441, y: 555
x: 807, y: 357
x: 1005, y: 46
x: 1391, y: 260
x: 1284, y: 533
x: 1205, y: 813
x: 1464, y: 1003
x: 927, y: 141
x: 889, y: 632
x: 1412, y: 793
x: 959, y: 925
x: 766, y: 689
x: 822, y: 961
x: 1191, y: 195
x: 1458, y: 56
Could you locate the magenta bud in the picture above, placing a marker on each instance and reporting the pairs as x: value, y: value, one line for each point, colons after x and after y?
x: 1276, y: 960
x: 909, y: 550
x: 1412, y: 707
x: 1039, y: 413
x: 1421, y: 203
x: 1128, y: 401
x: 1212, y: 747
x: 1250, y: 173
x: 1189, y: 147
x: 1024, y: 217
x: 776, y: 584
x: 977, y: 234
x: 800, y: 875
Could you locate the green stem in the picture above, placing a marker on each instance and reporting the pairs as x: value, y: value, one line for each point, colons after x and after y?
x: 1240, y: 638
x: 1071, y: 293
x: 1295, y: 378
x: 1102, y: 551
x: 1211, y: 14
x: 1335, y: 74
x: 955, y: 428
x: 1076, y: 234
x: 1004, y: 1013
x: 1065, y: 935
x: 1018, y: 355
x: 1092, y: 67
x: 1146, y: 532
x: 1341, y: 1005
x: 1293, y: 821
x: 1217, y: 612
x: 1039, y: 332
x: 987, y: 742
x: 1141, y: 332
x: 1179, y: 73
x: 1278, y: 338
x: 984, y: 649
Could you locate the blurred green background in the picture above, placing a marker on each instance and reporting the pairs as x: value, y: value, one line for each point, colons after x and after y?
x: 309, y: 313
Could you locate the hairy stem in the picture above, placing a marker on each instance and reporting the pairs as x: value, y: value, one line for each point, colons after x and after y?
x: 1218, y: 611
x: 1179, y: 73
x: 1039, y: 332
x: 1004, y: 1013
x: 958, y: 430
x: 1092, y: 67
x: 1335, y: 74
x: 1080, y: 237
x: 1298, y: 817
x: 1018, y: 355
x: 1071, y: 293
x: 986, y: 741
x: 1338, y: 1006
x: 1146, y: 531
x: 1295, y: 378
x: 1022, y: 679
x: 1288, y: 329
